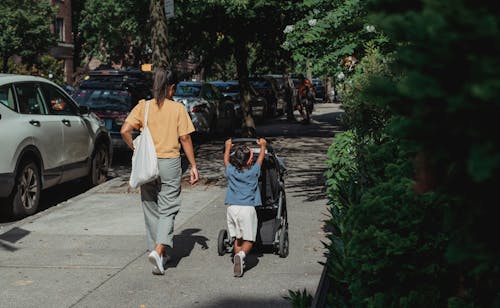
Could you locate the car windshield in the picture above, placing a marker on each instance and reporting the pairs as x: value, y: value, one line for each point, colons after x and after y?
x: 281, y: 82
x: 187, y: 90
x: 229, y: 88
x: 317, y: 82
x: 102, y: 100
x: 260, y: 84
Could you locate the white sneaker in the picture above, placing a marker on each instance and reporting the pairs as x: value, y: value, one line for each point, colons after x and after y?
x: 238, y: 265
x: 156, y: 270
x: 157, y: 262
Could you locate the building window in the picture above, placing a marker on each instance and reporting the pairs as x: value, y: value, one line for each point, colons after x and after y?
x: 59, y: 29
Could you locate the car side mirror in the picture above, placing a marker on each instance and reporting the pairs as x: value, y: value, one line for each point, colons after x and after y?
x: 84, y: 109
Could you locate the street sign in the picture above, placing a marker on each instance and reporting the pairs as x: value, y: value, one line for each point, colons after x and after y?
x: 169, y: 9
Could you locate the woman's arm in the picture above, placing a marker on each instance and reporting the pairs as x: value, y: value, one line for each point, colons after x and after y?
x: 227, y: 151
x: 187, y: 145
x: 126, y: 132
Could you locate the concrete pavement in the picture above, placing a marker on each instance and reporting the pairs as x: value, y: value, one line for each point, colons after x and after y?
x: 90, y: 251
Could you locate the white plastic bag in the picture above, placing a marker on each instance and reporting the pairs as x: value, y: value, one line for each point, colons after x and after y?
x: 144, y: 160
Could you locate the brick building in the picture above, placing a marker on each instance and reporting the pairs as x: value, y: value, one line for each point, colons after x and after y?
x: 63, y: 28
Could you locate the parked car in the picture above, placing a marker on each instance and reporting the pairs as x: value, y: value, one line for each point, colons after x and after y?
x: 287, y: 93
x: 231, y: 90
x: 206, y: 106
x: 269, y: 88
x: 141, y: 81
x: 47, y: 139
x: 319, y: 89
x: 111, y: 95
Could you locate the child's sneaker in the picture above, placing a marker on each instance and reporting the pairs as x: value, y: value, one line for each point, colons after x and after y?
x: 238, y: 265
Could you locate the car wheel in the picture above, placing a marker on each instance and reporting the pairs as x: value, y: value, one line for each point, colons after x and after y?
x: 213, y: 126
x: 100, y: 165
x: 26, y: 194
x: 275, y: 110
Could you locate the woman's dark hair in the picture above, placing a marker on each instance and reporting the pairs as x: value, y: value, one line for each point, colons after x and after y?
x: 163, y: 79
x: 240, y: 157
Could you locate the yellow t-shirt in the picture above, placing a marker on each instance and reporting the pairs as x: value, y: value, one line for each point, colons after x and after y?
x: 166, y: 124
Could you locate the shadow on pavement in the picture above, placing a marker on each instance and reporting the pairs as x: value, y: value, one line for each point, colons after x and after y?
x: 10, y: 237
x: 244, y: 302
x: 65, y: 191
x: 183, y: 245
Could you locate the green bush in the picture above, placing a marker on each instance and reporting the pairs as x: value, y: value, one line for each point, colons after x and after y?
x: 447, y: 102
x: 342, y: 189
x: 412, y: 185
x: 394, y: 255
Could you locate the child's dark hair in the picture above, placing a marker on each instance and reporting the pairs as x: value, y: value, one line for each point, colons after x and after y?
x: 240, y: 157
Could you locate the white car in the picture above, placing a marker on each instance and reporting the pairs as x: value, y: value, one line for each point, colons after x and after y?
x: 201, y: 108
x: 46, y: 139
x: 206, y: 107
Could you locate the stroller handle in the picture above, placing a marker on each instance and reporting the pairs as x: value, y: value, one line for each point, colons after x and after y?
x: 253, y: 140
x: 241, y: 140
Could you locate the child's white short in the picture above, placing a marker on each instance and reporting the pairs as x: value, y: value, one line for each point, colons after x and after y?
x: 242, y: 222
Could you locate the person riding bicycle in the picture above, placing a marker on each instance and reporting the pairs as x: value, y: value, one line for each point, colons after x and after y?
x: 305, y: 86
x: 306, y: 96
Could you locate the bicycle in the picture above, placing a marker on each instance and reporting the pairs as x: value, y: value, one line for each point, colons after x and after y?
x: 306, y: 105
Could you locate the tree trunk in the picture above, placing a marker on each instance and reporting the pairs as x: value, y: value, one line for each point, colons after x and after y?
x: 329, y: 87
x: 159, y: 34
x: 241, y: 55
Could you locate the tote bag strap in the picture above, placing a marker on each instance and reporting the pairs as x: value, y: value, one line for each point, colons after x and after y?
x: 146, y: 114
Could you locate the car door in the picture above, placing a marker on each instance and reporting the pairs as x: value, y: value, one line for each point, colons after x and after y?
x: 46, y: 131
x: 225, y: 109
x: 77, y: 139
x: 207, y: 94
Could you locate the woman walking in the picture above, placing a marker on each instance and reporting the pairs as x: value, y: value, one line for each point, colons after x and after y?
x: 168, y: 122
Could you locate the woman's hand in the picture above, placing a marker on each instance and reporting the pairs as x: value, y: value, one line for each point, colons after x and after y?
x: 126, y: 132
x: 194, y: 175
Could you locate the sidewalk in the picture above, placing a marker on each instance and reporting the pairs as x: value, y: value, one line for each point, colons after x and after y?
x: 91, y: 250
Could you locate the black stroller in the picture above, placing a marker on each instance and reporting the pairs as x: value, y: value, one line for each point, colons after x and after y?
x: 272, y: 228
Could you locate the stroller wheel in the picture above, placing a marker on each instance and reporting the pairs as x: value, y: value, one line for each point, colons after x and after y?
x: 221, y: 242
x: 283, y: 243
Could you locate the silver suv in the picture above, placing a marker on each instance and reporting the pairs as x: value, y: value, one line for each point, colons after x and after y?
x: 46, y: 139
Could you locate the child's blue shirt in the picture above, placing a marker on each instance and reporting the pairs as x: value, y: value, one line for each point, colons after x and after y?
x: 243, y: 186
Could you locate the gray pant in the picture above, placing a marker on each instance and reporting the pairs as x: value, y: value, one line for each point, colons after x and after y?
x: 161, y: 200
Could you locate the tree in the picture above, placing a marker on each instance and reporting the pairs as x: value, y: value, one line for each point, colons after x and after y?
x: 218, y: 29
x: 329, y: 32
x: 114, y: 31
x: 26, y: 29
x: 447, y: 100
x: 159, y: 34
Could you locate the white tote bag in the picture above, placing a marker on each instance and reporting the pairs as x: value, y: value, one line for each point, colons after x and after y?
x: 144, y: 160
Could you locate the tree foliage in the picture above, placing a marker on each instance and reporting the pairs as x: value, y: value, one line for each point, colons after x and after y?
x: 329, y: 32
x: 115, y: 31
x: 411, y: 185
x: 217, y: 31
x: 25, y: 29
x: 447, y: 101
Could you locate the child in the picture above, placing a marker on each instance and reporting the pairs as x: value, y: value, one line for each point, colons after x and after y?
x: 242, y: 196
